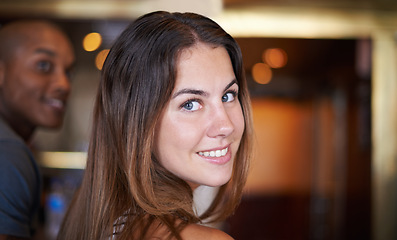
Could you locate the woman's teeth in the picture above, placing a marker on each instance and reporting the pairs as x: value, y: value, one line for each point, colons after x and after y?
x: 217, y: 153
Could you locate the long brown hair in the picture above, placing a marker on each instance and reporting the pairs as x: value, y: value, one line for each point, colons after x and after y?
x: 123, y: 181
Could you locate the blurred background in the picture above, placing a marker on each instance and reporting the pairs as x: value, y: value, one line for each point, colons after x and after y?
x: 323, y: 80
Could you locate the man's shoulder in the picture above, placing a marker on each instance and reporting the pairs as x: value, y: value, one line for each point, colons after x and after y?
x: 16, y: 159
x: 12, y: 145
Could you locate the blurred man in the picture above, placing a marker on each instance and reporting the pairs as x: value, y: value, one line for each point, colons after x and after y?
x: 35, y: 60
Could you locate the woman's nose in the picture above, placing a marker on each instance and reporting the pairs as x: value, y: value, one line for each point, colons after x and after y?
x: 221, y: 123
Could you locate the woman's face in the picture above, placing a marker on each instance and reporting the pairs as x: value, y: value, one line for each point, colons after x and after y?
x: 200, y: 130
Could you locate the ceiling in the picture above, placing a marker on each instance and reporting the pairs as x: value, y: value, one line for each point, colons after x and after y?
x: 94, y: 9
x: 386, y: 5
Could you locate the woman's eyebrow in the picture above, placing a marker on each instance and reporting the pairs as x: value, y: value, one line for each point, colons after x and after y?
x: 234, y: 81
x: 189, y: 91
x: 200, y: 92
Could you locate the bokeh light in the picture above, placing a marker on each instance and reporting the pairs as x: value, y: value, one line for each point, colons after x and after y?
x: 92, y: 41
x: 100, y: 58
x: 275, y: 57
x: 261, y: 73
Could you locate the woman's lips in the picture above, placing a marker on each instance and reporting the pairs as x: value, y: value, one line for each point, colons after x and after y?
x: 219, y: 156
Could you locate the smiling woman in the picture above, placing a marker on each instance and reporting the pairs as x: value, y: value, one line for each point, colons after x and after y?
x: 172, y: 113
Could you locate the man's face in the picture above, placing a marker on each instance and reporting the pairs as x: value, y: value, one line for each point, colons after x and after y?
x: 35, y: 84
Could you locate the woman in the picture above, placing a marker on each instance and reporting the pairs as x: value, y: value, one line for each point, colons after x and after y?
x: 172, y: 113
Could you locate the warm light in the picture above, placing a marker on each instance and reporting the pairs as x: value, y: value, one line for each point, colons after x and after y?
x: 261, y: 73
x: 275, y: 57
x: 92, y: 41
x: 100, y: 58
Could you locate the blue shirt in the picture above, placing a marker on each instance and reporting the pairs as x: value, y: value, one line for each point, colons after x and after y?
x: 20, y: 185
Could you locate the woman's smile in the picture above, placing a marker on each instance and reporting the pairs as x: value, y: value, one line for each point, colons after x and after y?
x: 214, y: 153
x: 220, y: 156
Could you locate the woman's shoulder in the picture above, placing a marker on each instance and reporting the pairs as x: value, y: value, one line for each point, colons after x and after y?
x: 196, y: 231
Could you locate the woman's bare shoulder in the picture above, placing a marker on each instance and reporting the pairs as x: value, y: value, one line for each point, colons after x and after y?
x: 195, y: 231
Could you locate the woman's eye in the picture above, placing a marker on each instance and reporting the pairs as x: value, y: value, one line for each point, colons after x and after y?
x: 191, y: 105
x: 44, y: 66
x: 228, y: 97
